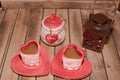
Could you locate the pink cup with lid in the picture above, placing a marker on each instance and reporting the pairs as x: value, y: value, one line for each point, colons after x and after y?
x: 72, y: 57
x: 52, y: 32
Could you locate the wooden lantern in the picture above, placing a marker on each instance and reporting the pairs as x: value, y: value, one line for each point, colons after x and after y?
x: 97, y: 32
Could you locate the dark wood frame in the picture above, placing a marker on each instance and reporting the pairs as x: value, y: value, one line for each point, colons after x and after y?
x: 58, y: 4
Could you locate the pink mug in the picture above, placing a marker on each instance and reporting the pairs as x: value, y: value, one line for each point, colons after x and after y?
x: 30, y: 53
x: 72, y: 57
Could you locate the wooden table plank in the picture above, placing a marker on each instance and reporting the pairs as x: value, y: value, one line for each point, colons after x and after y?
x: 116, y: 3
x: 48, y: 12
x: 2, y: 48
x: 70, y: 0
x: 64, y: 14
x: 95, y: 58
x: 33, y: 32
x: 35, y: 24
x: 45, y: 4
x: 2, y: 13
x: 116, y: 32
x: 7, y: 21
x: 17, y: 39
x: 110, y: 53
x: 84, y: 17
x: 25, y: 78
x: 98, y: 67
x: 57, y: 3
x: 112, y: 60
x: 104, y: 5
x: 76, y: 29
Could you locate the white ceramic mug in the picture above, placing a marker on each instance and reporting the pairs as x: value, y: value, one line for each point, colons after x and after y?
x: 27, y: 57
x: 72, y: 63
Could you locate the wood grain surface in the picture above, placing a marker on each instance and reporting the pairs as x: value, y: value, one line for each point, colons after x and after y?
x: 58, y: 3
x: 17, y: 26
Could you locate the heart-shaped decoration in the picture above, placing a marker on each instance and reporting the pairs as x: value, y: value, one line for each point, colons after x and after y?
x: 51, y: 38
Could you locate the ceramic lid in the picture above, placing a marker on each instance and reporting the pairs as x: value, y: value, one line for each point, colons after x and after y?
x: 53, y: 21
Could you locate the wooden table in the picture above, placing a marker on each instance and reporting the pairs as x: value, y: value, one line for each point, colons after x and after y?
x: 17, y: 26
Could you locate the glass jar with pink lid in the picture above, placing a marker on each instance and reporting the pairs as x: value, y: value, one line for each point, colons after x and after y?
x: 52, y: 31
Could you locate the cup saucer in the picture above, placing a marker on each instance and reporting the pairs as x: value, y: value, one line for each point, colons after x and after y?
x: 42, y: 69
x: 58, y: 70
